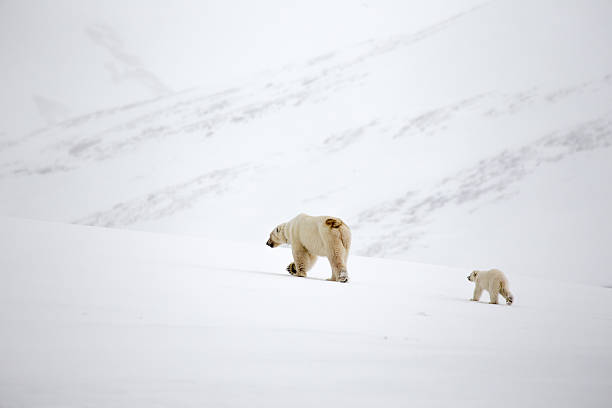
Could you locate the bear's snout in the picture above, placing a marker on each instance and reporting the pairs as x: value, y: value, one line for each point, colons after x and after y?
x: 469, y: 277
x: 269, y: 243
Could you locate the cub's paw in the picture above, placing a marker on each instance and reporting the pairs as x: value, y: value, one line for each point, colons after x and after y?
x: 509, y: 300
x: 343, y: 276
x: 291, y: 269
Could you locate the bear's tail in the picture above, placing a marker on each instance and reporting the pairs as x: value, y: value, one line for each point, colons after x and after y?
x: 333, y: 223
x: 505, y: 292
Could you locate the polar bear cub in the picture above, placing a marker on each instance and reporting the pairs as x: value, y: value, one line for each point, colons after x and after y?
x: 493, y: 281
x: 310, y: 237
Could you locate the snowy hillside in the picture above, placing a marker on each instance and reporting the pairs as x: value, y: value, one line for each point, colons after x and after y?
x: 66, y: 58
x: 473, y: 134
x: 101, y: 317
x: 480, y: 140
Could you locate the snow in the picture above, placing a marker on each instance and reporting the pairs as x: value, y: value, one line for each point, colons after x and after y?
x: 103, y: 317
x: 454, y: 141
x: 148, y: 148
x: 100, y: 55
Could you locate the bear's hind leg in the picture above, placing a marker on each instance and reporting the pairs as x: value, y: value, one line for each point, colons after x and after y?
x: 506, y: 294
x: 338, y: 266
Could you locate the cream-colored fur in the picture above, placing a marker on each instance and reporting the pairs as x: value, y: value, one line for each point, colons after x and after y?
x: 493, y: 281
x: 310, y: 237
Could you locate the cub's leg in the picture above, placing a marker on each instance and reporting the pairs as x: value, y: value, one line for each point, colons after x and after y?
x: 338, y: 264
x: 507, y: 295
x: 303, y: 261
x: 494, y: 295
x: 477, y: 293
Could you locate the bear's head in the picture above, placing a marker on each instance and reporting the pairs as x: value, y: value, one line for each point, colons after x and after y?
x: 277, y: 237
x: 472, y: 276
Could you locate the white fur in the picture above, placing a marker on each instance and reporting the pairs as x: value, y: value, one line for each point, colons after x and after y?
x: 310, y: 237
x: 493, y: 281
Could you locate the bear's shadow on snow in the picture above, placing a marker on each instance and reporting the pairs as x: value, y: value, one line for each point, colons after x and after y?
x: 284, y: 275
x: 251, y: 271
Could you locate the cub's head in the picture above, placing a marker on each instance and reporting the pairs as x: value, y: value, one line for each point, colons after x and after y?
x: 472, y: 276
x: 277, y: 237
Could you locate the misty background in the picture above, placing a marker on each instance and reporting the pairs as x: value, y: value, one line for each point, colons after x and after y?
x: 466, y: 133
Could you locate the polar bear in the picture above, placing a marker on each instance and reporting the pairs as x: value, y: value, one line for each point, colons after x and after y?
x: 310, y: 237
x: 493, y: 281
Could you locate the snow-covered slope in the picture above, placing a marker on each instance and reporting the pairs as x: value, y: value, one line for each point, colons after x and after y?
x: 67, y: 58
x: 110, y: 318
x: 480, y: 140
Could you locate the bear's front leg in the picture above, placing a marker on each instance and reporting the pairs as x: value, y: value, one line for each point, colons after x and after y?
x: 303, y: 261
x: 477, y: 293
x: 291, y: 269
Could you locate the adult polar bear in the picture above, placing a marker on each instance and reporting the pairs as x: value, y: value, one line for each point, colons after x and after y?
x: 310, y: 237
